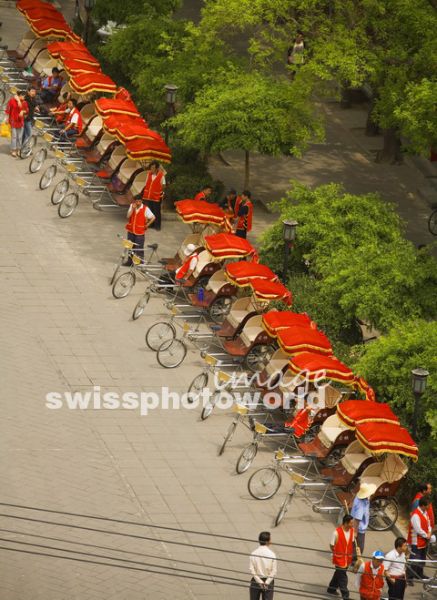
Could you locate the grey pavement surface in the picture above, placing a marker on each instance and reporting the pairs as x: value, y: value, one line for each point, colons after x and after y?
x: 62, y: 331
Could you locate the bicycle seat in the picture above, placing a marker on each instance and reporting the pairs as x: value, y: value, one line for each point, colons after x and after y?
x: 152, y: 246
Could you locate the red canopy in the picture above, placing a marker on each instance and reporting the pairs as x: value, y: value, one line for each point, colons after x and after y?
x: 386, y: 437
x: 241, y: 273
x: 267, y: 291
x: 200, y: 211
x: 42, y: 11
x: 317, y: 366
x: 227, y: 245
x: 148, y: 149
x: 75, y: 67
x: 109, y: 106
x: 87, y: 83
x: 302, y: 339
x: 23, y: 5
x: 276, y: 320
x: 352, y: 412
x: 55, y: 48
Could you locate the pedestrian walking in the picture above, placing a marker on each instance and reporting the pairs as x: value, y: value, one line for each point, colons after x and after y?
x: 361, y: 513
x: 16, y: 111
x: 342, y: 545
x: 370, y: 577
x: 204, y: 193
x: 263, y: 568
x: 153, y: 191
x: 295, y: 54
x: 244, y: 213
x: 420, y: 537
x: 29, y: 119
x: 395, y: 563
x: 140, y: 217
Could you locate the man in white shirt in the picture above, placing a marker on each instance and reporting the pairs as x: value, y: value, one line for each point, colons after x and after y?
x: 262, y: 567
x: 395, y: 563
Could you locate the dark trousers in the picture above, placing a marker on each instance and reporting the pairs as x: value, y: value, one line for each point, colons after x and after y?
x: 139, y: 247
x: 155, y: 207
x: 416, y: 568
x: 396, y: 590
x: 241, y: 233
x: 256, y: 592
x: 339, y: 581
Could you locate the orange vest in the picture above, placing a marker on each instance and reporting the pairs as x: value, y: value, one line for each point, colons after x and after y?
x: 246, y: 221
x: 300, y: 423
x: 232, y: 207
x: 371, y: 585
x: 201, y: 196
x: 425, y: 524
x: 153, y: 187
x: 137, y: 223
x: 183, y: 270
x: 75, y: 111
x: 429, y: 510
x: 343, y: 548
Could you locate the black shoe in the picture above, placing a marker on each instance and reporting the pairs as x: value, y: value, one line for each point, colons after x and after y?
x: 334, y: 593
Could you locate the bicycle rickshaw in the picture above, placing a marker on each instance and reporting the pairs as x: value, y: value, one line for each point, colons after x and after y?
x: 387, y: 442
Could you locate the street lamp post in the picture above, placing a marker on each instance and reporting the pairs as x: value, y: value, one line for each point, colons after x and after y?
x: 170, y: 99
x: 88, y: 5
x: 418, y: 383
x: 289, y: 237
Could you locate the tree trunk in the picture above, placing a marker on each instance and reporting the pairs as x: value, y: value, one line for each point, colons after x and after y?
x: 246, y: 170
x: 372, y: 128
x: 345, y: 99
x: 391, y: 152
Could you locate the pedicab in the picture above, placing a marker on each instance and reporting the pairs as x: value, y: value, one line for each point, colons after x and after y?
x: 387, y: 442
x: 218, y: 249
x: 314, y: 388
x: 199, y: 214
x: 225, y: 284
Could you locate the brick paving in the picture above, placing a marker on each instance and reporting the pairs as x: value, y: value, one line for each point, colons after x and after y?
x: 63, y: 331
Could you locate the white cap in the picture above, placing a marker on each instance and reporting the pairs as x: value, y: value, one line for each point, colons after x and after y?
x: 189, y: 249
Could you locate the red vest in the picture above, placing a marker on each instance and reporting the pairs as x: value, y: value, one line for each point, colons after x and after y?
x: 246, y: 221
x: 153, y: 188
x: 343, y: 548
x: 201, y: 196
x: 429, y: 510
x: 79, y: 125
x: 232, y: 206
x: 425, y: 524
x: 371, y: 585
x: 137, y: 223
x: 183, y: 270
x: 300, y: 423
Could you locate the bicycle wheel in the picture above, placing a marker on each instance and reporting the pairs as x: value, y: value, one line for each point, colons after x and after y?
x: 171, y: 353
x: 264, y: 483
x: 209, y: 407
x: 68, y: 205
x: 228, y: 437
x: 47, y: 177
x: 140, y: 306
x: 58, y: 194
x: 123, y: 284
x: 219, y: 309
x: 258, y: 357
x: 159, y: 333
x: 284, y: 507
x: 37, y: 161
x: 383, y: 514
x: 26, y: 149
x: 197, y: 386
x: 246, y: 458
x: 432, y: 222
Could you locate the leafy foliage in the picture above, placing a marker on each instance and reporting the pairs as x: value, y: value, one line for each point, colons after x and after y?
x: 355, y: 248
x: 249, y: 111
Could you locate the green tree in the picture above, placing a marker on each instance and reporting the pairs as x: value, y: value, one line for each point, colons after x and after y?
x: 386, y: 364
x: 122, y: 12
x: 252, y: 112
x: 354, y: 247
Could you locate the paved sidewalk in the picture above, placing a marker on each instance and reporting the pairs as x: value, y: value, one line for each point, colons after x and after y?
x: 63, y: 331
